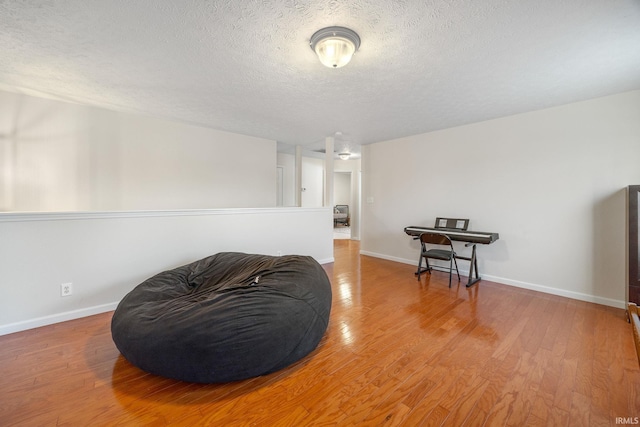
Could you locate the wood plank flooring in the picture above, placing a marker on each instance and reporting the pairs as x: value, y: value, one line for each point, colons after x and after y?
x: 397, y: 352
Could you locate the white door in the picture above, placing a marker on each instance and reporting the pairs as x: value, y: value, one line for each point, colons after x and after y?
x: 312, y: 182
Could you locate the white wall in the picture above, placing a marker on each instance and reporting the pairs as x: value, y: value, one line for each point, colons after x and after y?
x: 104, y: 255
x: 58, y: 156
x: 551, y: 182
x: 342, y: 188
x: 174, y: 166
x: 42, y: 141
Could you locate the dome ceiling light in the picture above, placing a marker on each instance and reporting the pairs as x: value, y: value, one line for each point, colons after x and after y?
x: 335, y: 45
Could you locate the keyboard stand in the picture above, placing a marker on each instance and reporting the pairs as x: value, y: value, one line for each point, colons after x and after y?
x: 472, y: 266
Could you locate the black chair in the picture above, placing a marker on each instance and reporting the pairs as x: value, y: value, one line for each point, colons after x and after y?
x: 447, y: 254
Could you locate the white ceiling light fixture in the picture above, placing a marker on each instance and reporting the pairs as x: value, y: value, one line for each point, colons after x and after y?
x: 344, y: 156
x: 335, y: 45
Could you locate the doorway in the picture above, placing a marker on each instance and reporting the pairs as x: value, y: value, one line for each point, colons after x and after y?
x: 342, y: 197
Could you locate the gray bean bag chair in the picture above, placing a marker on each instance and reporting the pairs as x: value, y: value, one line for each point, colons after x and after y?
x: 227, y: 317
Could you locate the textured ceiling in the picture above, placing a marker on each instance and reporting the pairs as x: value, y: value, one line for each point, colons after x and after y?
x: 246, y: 66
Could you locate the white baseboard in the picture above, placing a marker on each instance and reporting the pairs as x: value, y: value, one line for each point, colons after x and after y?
x: 55, y: 318
x: 519, y: 284
x: 389, y: 258
x: 555, y: 291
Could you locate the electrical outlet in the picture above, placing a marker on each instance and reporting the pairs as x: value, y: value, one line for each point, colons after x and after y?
x: 66, y: 289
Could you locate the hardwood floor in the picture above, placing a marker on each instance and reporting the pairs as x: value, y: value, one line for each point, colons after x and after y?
x: 397, y: 352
